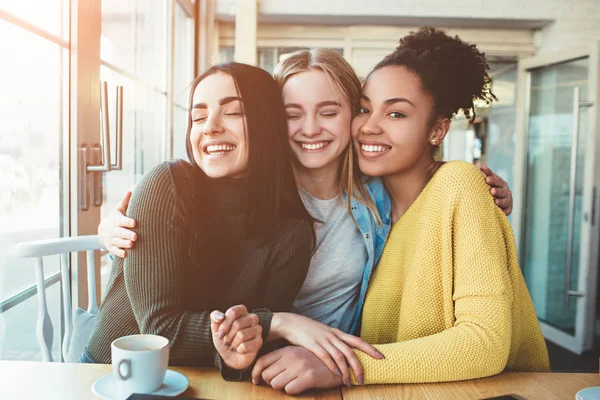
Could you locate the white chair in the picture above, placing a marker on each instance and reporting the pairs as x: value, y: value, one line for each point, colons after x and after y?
x: 61, y: 246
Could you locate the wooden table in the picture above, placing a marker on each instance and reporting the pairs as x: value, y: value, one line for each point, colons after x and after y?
x: 36, y: 380
x: 530, y: 386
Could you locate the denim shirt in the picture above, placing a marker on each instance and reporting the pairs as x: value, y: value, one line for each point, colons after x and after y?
x: 374, y: 235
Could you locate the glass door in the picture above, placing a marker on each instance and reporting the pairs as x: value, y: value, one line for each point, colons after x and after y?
x: 57, y: 174
x: 148, y: 50
x: 557, y: 237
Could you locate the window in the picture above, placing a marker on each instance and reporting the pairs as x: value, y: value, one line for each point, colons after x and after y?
x: 34, y: 126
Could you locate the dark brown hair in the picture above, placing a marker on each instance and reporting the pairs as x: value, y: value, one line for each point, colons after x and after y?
x: 270, y: 179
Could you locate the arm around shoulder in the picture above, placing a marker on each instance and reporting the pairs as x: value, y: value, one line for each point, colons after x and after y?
x: 155, y: 270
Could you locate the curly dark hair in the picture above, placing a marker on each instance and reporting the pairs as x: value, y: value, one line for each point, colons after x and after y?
x: 452, y: 71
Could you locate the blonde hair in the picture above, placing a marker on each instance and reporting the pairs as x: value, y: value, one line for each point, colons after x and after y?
x: 338, y: 70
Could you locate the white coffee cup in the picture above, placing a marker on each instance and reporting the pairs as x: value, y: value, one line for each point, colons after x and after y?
x: 139, y: 363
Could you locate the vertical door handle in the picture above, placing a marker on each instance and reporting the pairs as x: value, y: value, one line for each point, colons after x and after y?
x: 594, y: 206
x: 101, y: 156
x: 577, y: 105
x: 82, y: 178
x: 104, y: 132
x: 118, y: 164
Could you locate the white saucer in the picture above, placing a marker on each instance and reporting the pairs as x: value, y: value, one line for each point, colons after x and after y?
x: 173, y: 385
x: 591, y: 393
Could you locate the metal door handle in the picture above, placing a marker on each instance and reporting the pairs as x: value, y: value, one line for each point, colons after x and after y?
x: 118, y: 165
x: 104, y: 166
x: 104, y: 163
x: 577, y: 105
x: 82, y: 178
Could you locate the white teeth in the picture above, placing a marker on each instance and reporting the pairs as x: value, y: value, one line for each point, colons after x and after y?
x: 314, y: 146
x: 374, y: 148
x: 219, y: 148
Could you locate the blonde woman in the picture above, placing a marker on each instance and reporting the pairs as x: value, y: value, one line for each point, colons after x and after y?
x: 321, y: 95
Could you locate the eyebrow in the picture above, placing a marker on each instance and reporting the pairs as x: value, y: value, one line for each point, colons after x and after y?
x: 390, y: 101
x: 222, y: 102
x: 319, y: 105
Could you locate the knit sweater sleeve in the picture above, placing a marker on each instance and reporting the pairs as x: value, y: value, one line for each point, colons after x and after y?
x: 154, y: 271
x: 477, y: 344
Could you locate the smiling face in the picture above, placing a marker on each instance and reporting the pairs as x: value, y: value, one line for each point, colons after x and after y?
x: 218, y: 134
x: 319, y: 118
x: 393, y: 129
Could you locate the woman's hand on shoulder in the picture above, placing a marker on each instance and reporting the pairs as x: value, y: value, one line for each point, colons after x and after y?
x: 332, y: 346
x: 237, y: 336
x: 499, y: 190
x: 113, y: 231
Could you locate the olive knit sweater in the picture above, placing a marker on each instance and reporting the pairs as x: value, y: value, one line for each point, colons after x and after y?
x: 158, y: 288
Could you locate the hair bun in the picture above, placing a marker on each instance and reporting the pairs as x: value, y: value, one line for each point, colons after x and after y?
x: 453, y: 71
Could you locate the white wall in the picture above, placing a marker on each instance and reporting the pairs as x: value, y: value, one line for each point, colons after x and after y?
x: 567, y: 22
x: 577, y: 22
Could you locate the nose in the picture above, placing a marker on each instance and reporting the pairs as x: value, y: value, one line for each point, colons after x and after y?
x: 212, y: 126
x: 370, y: 127
x: 311, y: 127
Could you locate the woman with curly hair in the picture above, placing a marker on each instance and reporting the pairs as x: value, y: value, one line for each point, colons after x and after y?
x: 447, y: 301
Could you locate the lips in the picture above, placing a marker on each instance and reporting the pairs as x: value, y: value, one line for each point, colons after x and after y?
x: 315, y: 146
x: 217, y: 149
x: 369, y: 148
x: 372, y: 149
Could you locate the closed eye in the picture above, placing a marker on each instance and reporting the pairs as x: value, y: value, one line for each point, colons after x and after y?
x: 329, y: 113
x: 199, y: 119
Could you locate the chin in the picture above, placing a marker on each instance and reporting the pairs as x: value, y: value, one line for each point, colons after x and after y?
x: 318, y: 162
x: 371, y: 169
x: 312, y: 164
x: 217, y: 173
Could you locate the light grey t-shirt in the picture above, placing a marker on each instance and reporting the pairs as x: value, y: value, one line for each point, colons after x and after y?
x: 332, y: 287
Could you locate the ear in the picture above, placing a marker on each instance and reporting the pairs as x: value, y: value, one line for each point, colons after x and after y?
x: 439, y: 130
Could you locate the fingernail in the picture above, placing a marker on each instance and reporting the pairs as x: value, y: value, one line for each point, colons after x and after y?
x: 347, y: 382
x: 381, y: 356
x: 337, y: 372
x: 361, y: 380
x: 219, y: 316
x: 254, y: 381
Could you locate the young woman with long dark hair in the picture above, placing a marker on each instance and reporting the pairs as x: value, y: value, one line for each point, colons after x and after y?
x: 225, y: 232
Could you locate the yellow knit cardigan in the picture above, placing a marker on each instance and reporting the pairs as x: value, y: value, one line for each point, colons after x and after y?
x: 447, y: 301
